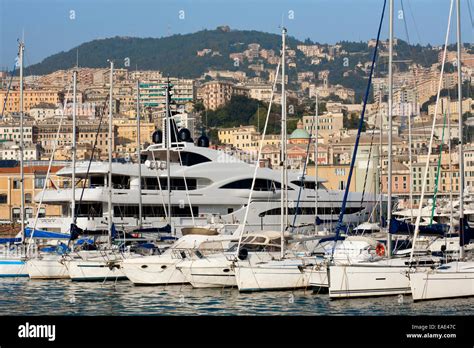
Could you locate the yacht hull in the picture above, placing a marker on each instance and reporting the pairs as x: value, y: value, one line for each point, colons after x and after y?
x: 318, y: 277
x: 209, y: 273
x: 13, y: 268
x: 145, y: 272
x: 369, y: 280
x: 95, y: 270
x: 442, y: 284
x: 272, y: 275
x: 54, y: 268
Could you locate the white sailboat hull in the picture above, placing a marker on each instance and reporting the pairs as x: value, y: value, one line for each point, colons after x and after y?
x: 439, y: 284
x: 209, y: 273
x: 47, y: 268
x: 13, y: 267
x: 318, y: 277
x: 272, y: 275
x: 141, y: 271
x: 369, y: 279
x: 95, y: 270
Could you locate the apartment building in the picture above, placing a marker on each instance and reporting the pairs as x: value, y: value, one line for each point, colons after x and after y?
x: 217, y: 93
x: 10, y: 192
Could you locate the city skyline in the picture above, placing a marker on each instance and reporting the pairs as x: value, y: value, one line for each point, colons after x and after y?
x: 304, y: 19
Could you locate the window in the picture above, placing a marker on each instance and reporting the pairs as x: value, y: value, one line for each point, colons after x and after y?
x: 42, y: 213
x: 16, y: 184
x: 39, y: 181
x: 15, y: 214
x: 29, y: 213
x: 3, y: 198
x: 260, y: 185
x: 27, y: 197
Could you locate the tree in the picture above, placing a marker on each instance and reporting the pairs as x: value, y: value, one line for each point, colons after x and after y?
x: 198, y: 107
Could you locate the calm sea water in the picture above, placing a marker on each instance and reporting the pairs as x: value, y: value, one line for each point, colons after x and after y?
x: 23, y: 296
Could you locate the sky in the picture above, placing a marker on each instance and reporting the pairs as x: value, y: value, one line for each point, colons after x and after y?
x: 51, y: 26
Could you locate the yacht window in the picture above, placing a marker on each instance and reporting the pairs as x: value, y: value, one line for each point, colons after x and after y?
x: 97, y: 181
x: 121, y: 182
x: 187, y: 158
x: 306, y: 184
x: 89, y: 210
x: 191, y: 158
x: 310, y: 211
x: 260, y: 185
x: 177, y: 184
x: 153, y: 211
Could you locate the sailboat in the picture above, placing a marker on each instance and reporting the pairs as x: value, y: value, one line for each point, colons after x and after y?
x: 106, y: 265
x: 12, y: 262
x: 53, y: 265
x: 456, y: 278
x: 285, y: 272
x: 217, y: 270
x: 388, y: 275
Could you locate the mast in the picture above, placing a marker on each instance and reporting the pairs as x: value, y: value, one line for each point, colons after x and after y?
x: 380, y: 158
x: 316, y: 165
x: 138, y: 158
x: 461, y: 151
x: 284, y: 200
x: 390, y: 112
x: 450, y: 172
x: 410, y: 166
x: 168, y: 146
x: 73, y: 179
x: 22, y: 173
x: 109, y: 220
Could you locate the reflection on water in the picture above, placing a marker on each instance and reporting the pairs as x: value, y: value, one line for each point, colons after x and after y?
x: 22, y: 296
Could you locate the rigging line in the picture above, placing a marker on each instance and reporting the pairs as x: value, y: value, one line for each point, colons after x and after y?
x: 438, y: 171
x: 424, y: 58
x: 102, y: 112
x: 369, y: 157
x: 184, y: 175
x: 254, y: 179
x: 470, y: 14
x: 410, y: 149
x: 308, y: 147
x: 359, y: 131
x: 8, y: 91
x: 159, y: 186
x: 368, y: 163
x: 49, y: 167
x: 425, y: 174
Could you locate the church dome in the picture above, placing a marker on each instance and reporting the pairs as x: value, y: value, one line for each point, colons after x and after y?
x: 299, y: 132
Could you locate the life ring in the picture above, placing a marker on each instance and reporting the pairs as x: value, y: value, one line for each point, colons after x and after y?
x: 380, y: 249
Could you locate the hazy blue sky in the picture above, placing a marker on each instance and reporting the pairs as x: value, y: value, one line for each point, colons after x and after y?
x: 49, y: 29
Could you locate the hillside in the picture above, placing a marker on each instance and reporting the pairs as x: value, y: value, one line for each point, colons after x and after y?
x: 174, y: 55
x: 177, y: 56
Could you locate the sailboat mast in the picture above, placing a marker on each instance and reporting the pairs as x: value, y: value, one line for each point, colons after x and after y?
x: 284, y: 201
x: 22, y: 173
x: 73, y: 178
x: 380, y: 157
x: 109, y: 220
x: 316, y: 164
x: 168, y: 146
x: 461, y: 144
x: 138, y: 159
x: 410, y: 166
x: 450, y: 171
x: 390, y: 107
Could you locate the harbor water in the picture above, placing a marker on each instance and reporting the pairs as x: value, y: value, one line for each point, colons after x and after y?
x: 22, y: 296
